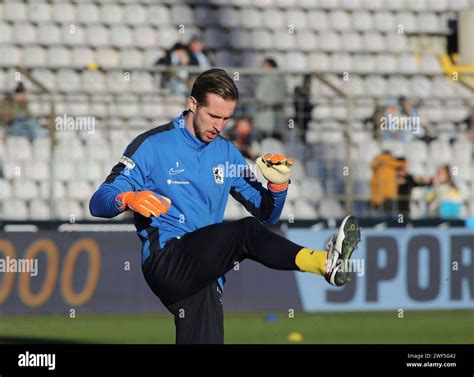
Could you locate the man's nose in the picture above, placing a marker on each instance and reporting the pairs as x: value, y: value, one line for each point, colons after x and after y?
x: 219, y: 125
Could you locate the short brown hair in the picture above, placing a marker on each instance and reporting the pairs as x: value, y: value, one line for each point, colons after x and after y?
x: 215, y: 81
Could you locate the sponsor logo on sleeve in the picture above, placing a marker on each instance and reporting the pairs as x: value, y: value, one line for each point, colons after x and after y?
x: 128, y: 162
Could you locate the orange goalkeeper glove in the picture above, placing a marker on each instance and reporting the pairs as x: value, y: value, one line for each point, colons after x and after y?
x: 146, y: 203
x: 276, y: 168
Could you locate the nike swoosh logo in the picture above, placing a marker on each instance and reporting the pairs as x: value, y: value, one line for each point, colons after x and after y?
x: 174, y: 172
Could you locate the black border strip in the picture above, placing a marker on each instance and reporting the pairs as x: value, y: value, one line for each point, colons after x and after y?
x: 238, y: 360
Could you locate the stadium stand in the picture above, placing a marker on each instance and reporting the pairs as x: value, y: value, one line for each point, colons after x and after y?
x: 96, y: 58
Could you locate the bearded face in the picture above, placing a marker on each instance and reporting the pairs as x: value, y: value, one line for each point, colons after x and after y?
x: 209, y: 119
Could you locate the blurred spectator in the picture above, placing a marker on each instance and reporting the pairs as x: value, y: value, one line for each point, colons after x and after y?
x: 177, y: 81
x: 16, y: 116
x: 383, y: 184
x: 241, y: 136
x: 444, y: 198
x: 389, y: 123
x: 197, y: 54
x: 303, y: 106
x: 406, y: 182
x: 406, y: 108
x: 376, y: 121
x: 400, y: 122
x: 271, y: 93
x: 412, y: 112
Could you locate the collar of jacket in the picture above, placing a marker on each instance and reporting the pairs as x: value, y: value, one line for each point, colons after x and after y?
x: 189, y: 138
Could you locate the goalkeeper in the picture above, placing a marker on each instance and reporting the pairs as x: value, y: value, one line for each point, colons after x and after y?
x: 174, y: 178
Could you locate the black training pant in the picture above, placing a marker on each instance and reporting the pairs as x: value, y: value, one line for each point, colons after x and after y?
x: 184, y: 273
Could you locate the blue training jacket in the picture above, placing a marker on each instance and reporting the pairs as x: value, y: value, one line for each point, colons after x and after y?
x: 196, y: 177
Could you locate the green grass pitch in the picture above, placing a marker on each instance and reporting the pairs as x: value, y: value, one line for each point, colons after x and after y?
x: 455, y: 326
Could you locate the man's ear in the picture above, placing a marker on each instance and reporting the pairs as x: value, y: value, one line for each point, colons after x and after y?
x: 192, y: 104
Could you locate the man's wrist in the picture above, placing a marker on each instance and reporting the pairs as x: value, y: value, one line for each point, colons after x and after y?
x: 278, y: 187
x: 119, y: 201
